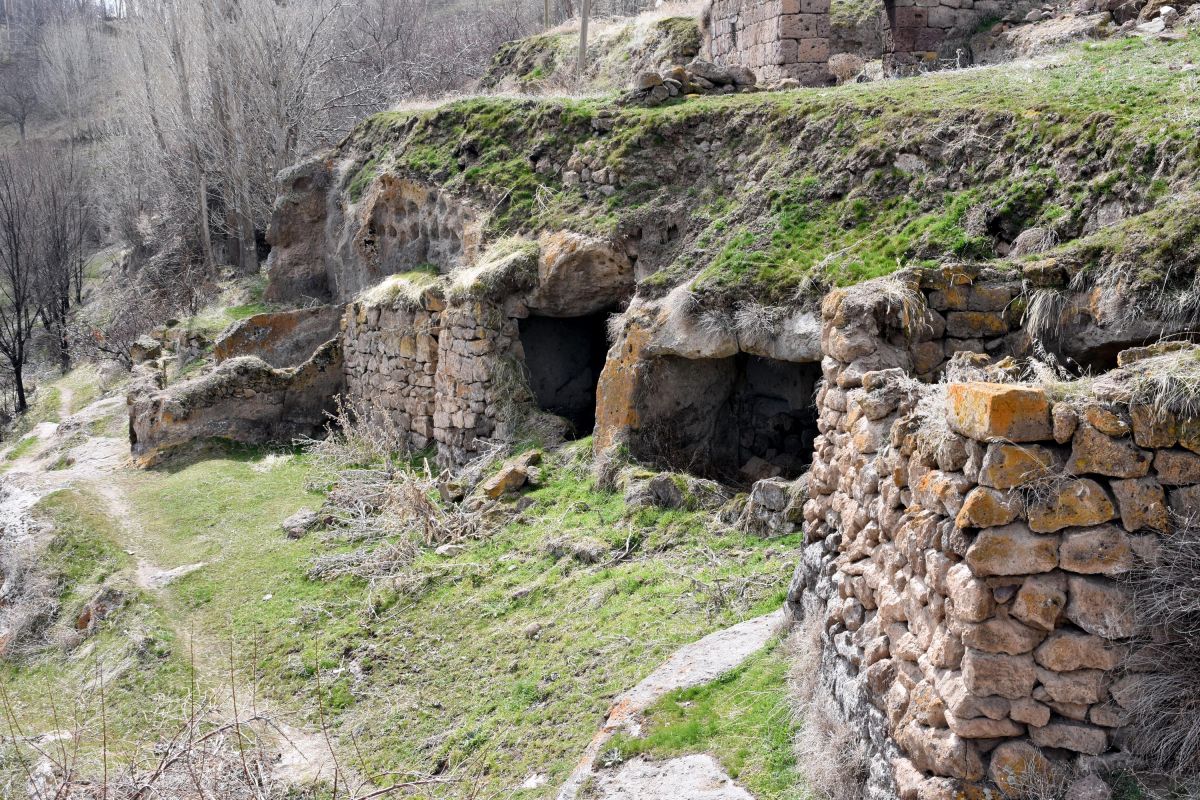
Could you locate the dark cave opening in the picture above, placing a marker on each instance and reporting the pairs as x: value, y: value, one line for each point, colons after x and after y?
x: 736, y: 419
x: 564, y: 357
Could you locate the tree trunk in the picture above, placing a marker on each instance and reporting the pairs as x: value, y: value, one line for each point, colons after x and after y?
x: 583, y: 37
x: 19, y: 380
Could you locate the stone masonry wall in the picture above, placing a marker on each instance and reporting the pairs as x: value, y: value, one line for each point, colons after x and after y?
x: 775, y: 38
x: 966, y: 543
x: 791, y: 38
x: 442, y: 373
x: 391, y: 352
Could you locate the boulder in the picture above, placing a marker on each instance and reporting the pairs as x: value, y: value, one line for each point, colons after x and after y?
x: 280, y: 338
x: 300, y: 523
x: 1015, y: 766
x: 579, y: 275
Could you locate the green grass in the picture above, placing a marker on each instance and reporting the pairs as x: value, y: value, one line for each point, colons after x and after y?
x: 1121, y: 107
x: 437, y: 664
x: 743, y: 719
x: 22, y: 448
x: 145, y: 680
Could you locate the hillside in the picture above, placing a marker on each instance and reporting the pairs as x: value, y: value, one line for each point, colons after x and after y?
x: 797, y: 444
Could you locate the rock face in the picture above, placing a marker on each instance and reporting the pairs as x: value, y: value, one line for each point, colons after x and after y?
x: 965, y: 560
x: 244, y: 399
x: 282, y: 338
x: 326, y: 248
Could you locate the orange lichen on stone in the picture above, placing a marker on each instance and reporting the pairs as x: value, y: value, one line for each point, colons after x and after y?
x: 616, y: 409
x: 986, y: 411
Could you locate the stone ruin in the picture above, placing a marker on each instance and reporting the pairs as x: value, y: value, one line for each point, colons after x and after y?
x: 965, y: 539
x: 782, y: 39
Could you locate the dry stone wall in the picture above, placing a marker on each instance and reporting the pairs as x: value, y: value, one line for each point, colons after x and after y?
x: 966, y: 544
x: 443, y: 374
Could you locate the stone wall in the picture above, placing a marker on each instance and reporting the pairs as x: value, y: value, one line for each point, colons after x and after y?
x: 391, y: 362
x: 792, y: 38
x: 444, y: 374
x: 775, y: 38
x: 965, y: 548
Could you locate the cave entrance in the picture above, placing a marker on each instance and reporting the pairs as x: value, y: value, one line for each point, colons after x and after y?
x: 737, y: 419
x: 564, y: 357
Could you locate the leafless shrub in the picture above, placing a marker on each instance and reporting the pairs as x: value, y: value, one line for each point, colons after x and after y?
x: 1165, y: 707
x: 828, y: 753
x: 30, y: 600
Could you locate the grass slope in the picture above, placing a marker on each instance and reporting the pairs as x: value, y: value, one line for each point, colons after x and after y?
x: 490, y: 666
x: 825, y: 185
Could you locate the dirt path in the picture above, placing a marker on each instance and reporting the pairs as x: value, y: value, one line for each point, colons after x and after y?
x: 692, y: 777
x: 100, y: 464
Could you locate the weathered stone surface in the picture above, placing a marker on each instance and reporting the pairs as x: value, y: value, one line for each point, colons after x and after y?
x: 986, y: 674
x: 1015, y: 766
x: 1002, y: 636
x: 1096, y: 453
x: 1081, y: 687
x: 1153, y: 427
x: 1184, y: 502
x: 986, y: 411
x: 1100, y: 607
x: 971, y: 597
x: 1102, y: 550
x: 1040, y: 600
x: 984, y: 728
x: 1006, y: 466
x: 1030, y: 711
x: 244, y: 399
x: 988, y: 508
x: 1177, y: 467
x: 1067, y: 651
x: 1065, y: 422
x: 1012, y: 550
x: 1143, y: 504
x: 1076, y: 736
x: 1089, y: 787
x: 280, y: 338
x: 1072, y: 503
x: 300, y: 523
x: 579, y: 275
x: 508, y: 479
x: 940, y: 752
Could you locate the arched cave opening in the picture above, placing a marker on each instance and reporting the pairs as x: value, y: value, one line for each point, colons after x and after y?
x: 564, y: 357
x: 737, y: 419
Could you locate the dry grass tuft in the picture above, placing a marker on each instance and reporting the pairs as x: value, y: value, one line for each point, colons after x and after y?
x: 828, y: 753
x: 1165, y: 705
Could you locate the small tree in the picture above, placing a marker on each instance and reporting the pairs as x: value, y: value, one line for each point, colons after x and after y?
x: 18, y: 273
x: 18, y: 91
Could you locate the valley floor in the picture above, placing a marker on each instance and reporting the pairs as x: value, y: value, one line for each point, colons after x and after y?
x: 482, y: 673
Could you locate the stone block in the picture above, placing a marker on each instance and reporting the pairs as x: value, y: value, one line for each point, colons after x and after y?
x: 986, y: 411
x: 1100, y: 454
x: 1177, y: 467
x: 1100, y: 550
x: 1007, y: 466
x: 987, y: 674
x: 1143, y: 504
x: 1012, y: 550
x: 1002, y: 635
x: 1071, y: 504
x: 1016, y: 765
x: 988, y: 508
x: 1040, y: 600
x: 1100, y: 607
x: 1081, y: 687
x: 1076, y: 736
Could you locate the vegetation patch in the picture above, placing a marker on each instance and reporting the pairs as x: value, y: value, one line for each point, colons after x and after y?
x: 744, y: 719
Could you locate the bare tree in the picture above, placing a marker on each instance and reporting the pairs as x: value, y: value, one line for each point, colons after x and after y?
x: 18, y: 274
x: 18, y: 91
